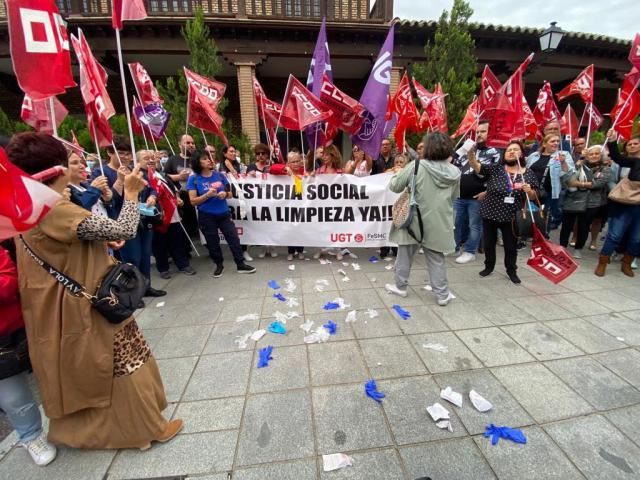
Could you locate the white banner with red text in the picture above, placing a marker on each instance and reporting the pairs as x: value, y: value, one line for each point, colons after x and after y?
x: 332, y: 210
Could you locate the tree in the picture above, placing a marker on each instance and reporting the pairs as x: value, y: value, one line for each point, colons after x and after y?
x: 203, y: 59
x: 451, y: 61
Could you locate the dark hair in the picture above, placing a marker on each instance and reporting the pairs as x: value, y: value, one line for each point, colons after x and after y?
x: 223, y: 152
x: 122, y: 144
x: 35, y: 152
x: 437, y: 146
x: 260, y: 147
x: 521, y: 159
x: 196, y: 156
x: 482, y: 122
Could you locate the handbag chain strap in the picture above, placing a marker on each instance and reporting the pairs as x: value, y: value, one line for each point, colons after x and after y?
x: 74, y: 288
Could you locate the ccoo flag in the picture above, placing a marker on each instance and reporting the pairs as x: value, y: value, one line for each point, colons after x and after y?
x: 374, y: 98
x: 127, y: 10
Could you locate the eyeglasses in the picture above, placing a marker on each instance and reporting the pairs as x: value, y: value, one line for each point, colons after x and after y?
x: 261, y: 153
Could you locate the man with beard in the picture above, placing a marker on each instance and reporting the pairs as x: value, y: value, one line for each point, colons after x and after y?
x: 468, y: 222
x: 178, y: 169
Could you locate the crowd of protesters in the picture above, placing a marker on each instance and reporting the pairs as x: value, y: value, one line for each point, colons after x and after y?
x: 99, y: 382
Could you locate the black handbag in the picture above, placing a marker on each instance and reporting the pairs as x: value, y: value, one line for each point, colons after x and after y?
x: 14, y: 354
x: 522, y: 223
x: 118, y: 294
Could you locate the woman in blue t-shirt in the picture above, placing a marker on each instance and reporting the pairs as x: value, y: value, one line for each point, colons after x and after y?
x: 208, y: 191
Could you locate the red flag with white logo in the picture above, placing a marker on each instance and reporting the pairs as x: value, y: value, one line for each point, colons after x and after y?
x: 489, y: 86
x: 408, y: 116
x: 469, y: 120
x: 626, y: 109
x: 634, y: 53
x: 434, y: 116
x: 93, y: 86
x: 208, y: 89
x: 530, y: 125
x: 569, y: 123
x: 23, y: 200
x: 201, y: 112
x: 582, y: 85
x: 37, y: 114
x: 146, y: 90
x: 301, y: 104
x: 551, y: 261
x: 271, y: 111
x: 593, y: 116
x: 39, y: 48
x: 346, y: 111
x: 506, y: 113
x: 272, y: 139
x: 127, y: 10
x: 546, y: 109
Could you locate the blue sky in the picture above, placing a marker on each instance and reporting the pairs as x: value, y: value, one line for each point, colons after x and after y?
x: 616, y: 18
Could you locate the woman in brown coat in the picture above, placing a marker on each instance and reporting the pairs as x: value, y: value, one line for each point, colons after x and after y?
x: 100, y: 385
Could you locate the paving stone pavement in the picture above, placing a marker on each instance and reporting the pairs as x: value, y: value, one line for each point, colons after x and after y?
x: 561, y: 362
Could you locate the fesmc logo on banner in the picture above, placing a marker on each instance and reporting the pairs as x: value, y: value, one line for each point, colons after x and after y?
x: 331, y: 210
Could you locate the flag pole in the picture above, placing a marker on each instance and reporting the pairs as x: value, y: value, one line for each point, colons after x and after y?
x: 302, y: 144
x: 590, y: 107
x: 53, y: 117
x: 286, y: 91
x: 624, y: 105
x: 206, y: 145
x: 115, y: 150
x: 126, y: 96
x: 186, y: 122
x: 189, y: 238
x: 95, y: 140
x: 173, y: 152
x: 266, y: 130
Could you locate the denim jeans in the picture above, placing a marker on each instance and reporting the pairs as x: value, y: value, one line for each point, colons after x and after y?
x: 468, y: 224
x: 137, y: 251
x: 623, y: 219
x: 22, y: 411
x: 553, y: 211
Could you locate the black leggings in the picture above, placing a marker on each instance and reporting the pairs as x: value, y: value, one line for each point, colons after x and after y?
x: 568, y: 221
x: 490, y: 238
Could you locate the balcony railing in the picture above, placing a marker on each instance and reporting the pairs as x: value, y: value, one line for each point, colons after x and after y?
x: 334, y: 10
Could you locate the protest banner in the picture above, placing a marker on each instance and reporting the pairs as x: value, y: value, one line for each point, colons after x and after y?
x: 332, y: 210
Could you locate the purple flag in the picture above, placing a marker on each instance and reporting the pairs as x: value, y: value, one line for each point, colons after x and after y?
x: 153, y: 117
x: 375, y: 97
x: 320, y: 63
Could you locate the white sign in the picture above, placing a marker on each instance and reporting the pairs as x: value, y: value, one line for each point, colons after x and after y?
x: 332, y: 210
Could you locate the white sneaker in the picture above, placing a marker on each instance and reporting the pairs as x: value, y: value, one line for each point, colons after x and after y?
x: 289, y: 257
x: 317, y: 255
x: 41, y: 451
x: 445, y: 301
x: 391, y: 288
x: 421, y: 250
x: 300, y: 256
x: 272, y: 252
x: 466, y: 257
x: 262, y: 254
x: 247, y: 257
x: 500, y: 241
x: 428, y: 288
x: 577, y: 253
x: 634, y: 264
x: 339, y: 256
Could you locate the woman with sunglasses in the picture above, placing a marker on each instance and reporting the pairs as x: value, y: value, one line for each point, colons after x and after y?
x: 509, y: 183
x: 360, y: 164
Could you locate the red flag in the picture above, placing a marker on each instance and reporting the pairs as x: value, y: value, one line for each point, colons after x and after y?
x: 489, y: 86
x: 408, y: 116
x: 166, y: 199
x: 633, y: 76
x: 208, y: 89
x: 347, y: 112
x: 596, y: 118
x: 434, y: 116
x: 569, y: 123
x: 546, y: 109
x: 301, y: 104
x: 626, y: 110
x: 469, y: 120
x: 582, y: 85
x: 530, y: 125
x: 273, y: 141
x: 23, y: 200
x: 506, y: 113
x: 127, y: 10
x: 201, y: 112
x: 146, y: 90
x: 93, y: 86
x: 37, y: 114
x: 551, y: 261
x: 634, y: 53
x: 39, y: 48
x: 524, y: 65
x: 270, y: 111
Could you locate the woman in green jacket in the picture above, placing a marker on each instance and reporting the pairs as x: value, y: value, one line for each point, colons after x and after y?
x: 437, y: 186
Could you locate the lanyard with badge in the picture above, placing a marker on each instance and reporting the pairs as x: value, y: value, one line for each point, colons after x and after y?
x: 509, y: 199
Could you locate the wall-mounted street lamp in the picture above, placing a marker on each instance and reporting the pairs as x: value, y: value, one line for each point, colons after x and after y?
x: 550, y: 38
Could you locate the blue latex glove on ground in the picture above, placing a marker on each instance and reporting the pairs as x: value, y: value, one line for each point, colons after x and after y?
x: 374, y: 259
x: 508, y: 433
x: 277, y: 327
x: 371, y: 390
x: 280, y: 297
x: 273, y: 284
x: 264, y: 356
x: 402, y: 312
x: 331, y: 327
x: 331, y: 306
